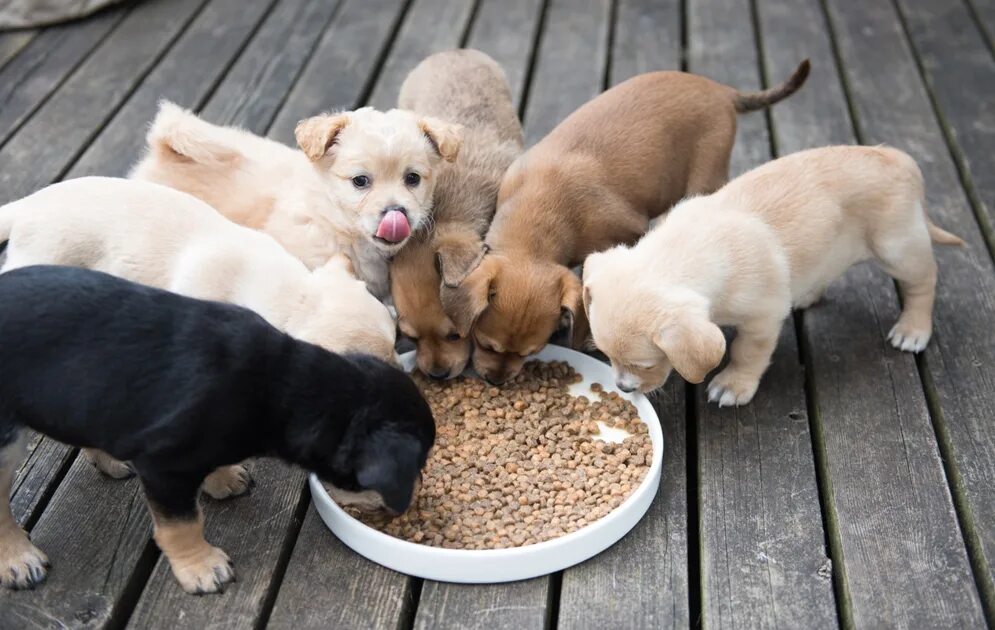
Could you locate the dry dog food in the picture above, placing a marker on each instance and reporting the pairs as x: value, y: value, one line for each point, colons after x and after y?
x: 519, y: 465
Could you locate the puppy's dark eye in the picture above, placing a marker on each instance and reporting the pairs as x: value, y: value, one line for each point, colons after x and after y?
x: 412, y: 179
x: 360, y: 181
x: 453, y: 337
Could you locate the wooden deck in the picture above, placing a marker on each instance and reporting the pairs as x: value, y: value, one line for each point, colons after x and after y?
x: 857, y: 490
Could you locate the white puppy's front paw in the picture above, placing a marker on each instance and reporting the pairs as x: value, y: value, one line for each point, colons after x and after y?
x: 227, y: 481
x: 207, y: 573
x: 730, y: 388
x: 909, y: 337
x: 22, y: 565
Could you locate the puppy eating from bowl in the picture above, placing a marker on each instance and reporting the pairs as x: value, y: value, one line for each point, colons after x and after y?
x: 468, y: 88
x: 361, y: 184
x: 595, y: 181
x: 180, y: 387
x: 772, y: 239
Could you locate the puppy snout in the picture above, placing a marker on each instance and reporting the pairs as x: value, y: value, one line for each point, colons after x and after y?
x: 495, y: 379
x: 395, y: 208
x: 439, y: 374
x: 625, y: 386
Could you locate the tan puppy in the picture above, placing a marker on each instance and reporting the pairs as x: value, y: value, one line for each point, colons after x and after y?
x: 469, y: 88
x: 168, y: 239
x: 362, y: 184
x: 595, y: 181
x: 769, y: 240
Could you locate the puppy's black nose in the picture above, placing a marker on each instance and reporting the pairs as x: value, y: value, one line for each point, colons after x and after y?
x: 400, y: 209
x: 495, y: 381
x: 628, y: 389
x: 438, y: 374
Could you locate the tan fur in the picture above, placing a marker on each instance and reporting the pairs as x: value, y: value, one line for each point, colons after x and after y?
x: 768, y: 241
x: 22, y: 565
x: 469, y: 88
x: 199, y: 567
x: 305, y: 199
x: 595, y: 181
x: 223, y: 483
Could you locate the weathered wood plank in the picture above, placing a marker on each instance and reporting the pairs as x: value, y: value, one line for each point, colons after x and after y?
x: 642, y: 581
x: 350, y: 51
x: 985, y: 12
x: 49, y: 142
x: 954, y: 55
x: 511, y: 605
x: 41, y: 470
x: 12, y: 42
x: 570, y: 66
x: 327, y: 585
x: 96, y: 554
x: 429, y: 26
x: 506, y: 30
x: 253, y: 531
x: 185, y: 75
x: 253, y: 91
x: 44, y: 63
x: 763, y: 556
x: 906, y: 564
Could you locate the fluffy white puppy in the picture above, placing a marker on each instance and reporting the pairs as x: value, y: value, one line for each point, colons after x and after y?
x: 360, y: 186
x: 770, y: 240
x: 168, y: 239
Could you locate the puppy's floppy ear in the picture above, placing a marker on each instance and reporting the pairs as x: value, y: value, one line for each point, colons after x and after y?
x: 465, y: 302
x: 694, y: 345
x: 570, y: 304
x: 388, y: 464
x: 456, y: 258
x: 445, y: 138
x: 317, y: 134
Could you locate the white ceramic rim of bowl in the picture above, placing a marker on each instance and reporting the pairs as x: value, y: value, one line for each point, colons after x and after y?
x: 490, y: 566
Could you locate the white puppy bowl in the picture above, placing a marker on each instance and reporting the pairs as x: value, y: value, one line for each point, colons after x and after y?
x: 488, y: 566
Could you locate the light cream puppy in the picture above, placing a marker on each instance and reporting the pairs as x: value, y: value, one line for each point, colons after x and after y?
x: 164, y: 238
x: 361, y: 185
x: 768, y: 241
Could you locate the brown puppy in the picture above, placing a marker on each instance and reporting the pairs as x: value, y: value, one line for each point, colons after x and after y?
x: 595, y: 181
x: 469, y: 88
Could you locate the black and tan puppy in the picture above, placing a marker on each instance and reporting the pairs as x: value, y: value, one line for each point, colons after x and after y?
x: 179, y: 387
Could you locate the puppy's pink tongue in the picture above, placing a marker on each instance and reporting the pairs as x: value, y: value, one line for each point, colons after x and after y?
x: 394, y: 227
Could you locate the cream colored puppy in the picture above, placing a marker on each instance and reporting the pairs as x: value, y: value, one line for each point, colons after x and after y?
x: 168, y: 239
x: 769, y: 240
x: 361, y: 185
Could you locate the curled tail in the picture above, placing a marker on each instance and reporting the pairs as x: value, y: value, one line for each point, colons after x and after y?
x: 750, y: 101
x: 941, y: 237
x: 179, y: 134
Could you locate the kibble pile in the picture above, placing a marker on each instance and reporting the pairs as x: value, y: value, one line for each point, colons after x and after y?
x: 519, y: 465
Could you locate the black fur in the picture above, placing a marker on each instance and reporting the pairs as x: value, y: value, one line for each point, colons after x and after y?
x: 179, y: 387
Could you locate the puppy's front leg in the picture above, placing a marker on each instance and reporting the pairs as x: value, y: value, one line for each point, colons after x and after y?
x: 179, y: 531
x: 106, y: 464
x: 22, y: 565
x: 749, y: 357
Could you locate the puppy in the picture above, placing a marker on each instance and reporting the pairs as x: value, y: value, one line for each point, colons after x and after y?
x: 179, y: 387
x: 361, y: 186
x: 469, y: 88
x: 168, y: 239
x: 769, y: 240
x: 595, y: 181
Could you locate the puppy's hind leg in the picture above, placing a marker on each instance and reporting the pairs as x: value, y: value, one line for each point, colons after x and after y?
x: 106, y: 464
x: 227, y: 481
x: 749, y: 357
x: 22, y: 565
x: 908, y: 258
x: 179, y: 530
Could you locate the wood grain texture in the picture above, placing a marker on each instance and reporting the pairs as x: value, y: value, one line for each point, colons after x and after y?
x: 327, y: 585
x: 38, y: 474
x: 642, y: 581
x: 570, y: 64
x: 185, y: 75
x: 43, y: 64
x: 960, y: 360
x: 88, y: 98
x: 95, y: 553
x: 429, y: 26
x: 343, y: 65
x: 506, y: 30
x: 253, y: 532
x: 984, y: 10
x: 12, y: 42
x: 960, y: 73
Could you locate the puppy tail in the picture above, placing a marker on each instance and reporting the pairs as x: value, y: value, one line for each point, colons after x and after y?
x: 941, y: 237
x: 750, y: 101
x: 177, y: 134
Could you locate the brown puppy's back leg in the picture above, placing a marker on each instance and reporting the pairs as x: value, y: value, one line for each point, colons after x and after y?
x: 22, y: 565
x: 179, y: 530
x: 709, y: 170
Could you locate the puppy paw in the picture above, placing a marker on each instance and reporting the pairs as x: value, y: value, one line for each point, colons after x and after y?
x: 106, y: 464
x: 22, y: 565
x: 207, y: 573
x: 909, y: 336
x: 730, y: 388
x: 227, y: 481
x: 809, y: 299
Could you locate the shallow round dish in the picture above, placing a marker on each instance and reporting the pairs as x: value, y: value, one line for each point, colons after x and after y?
x: 488, y: 566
